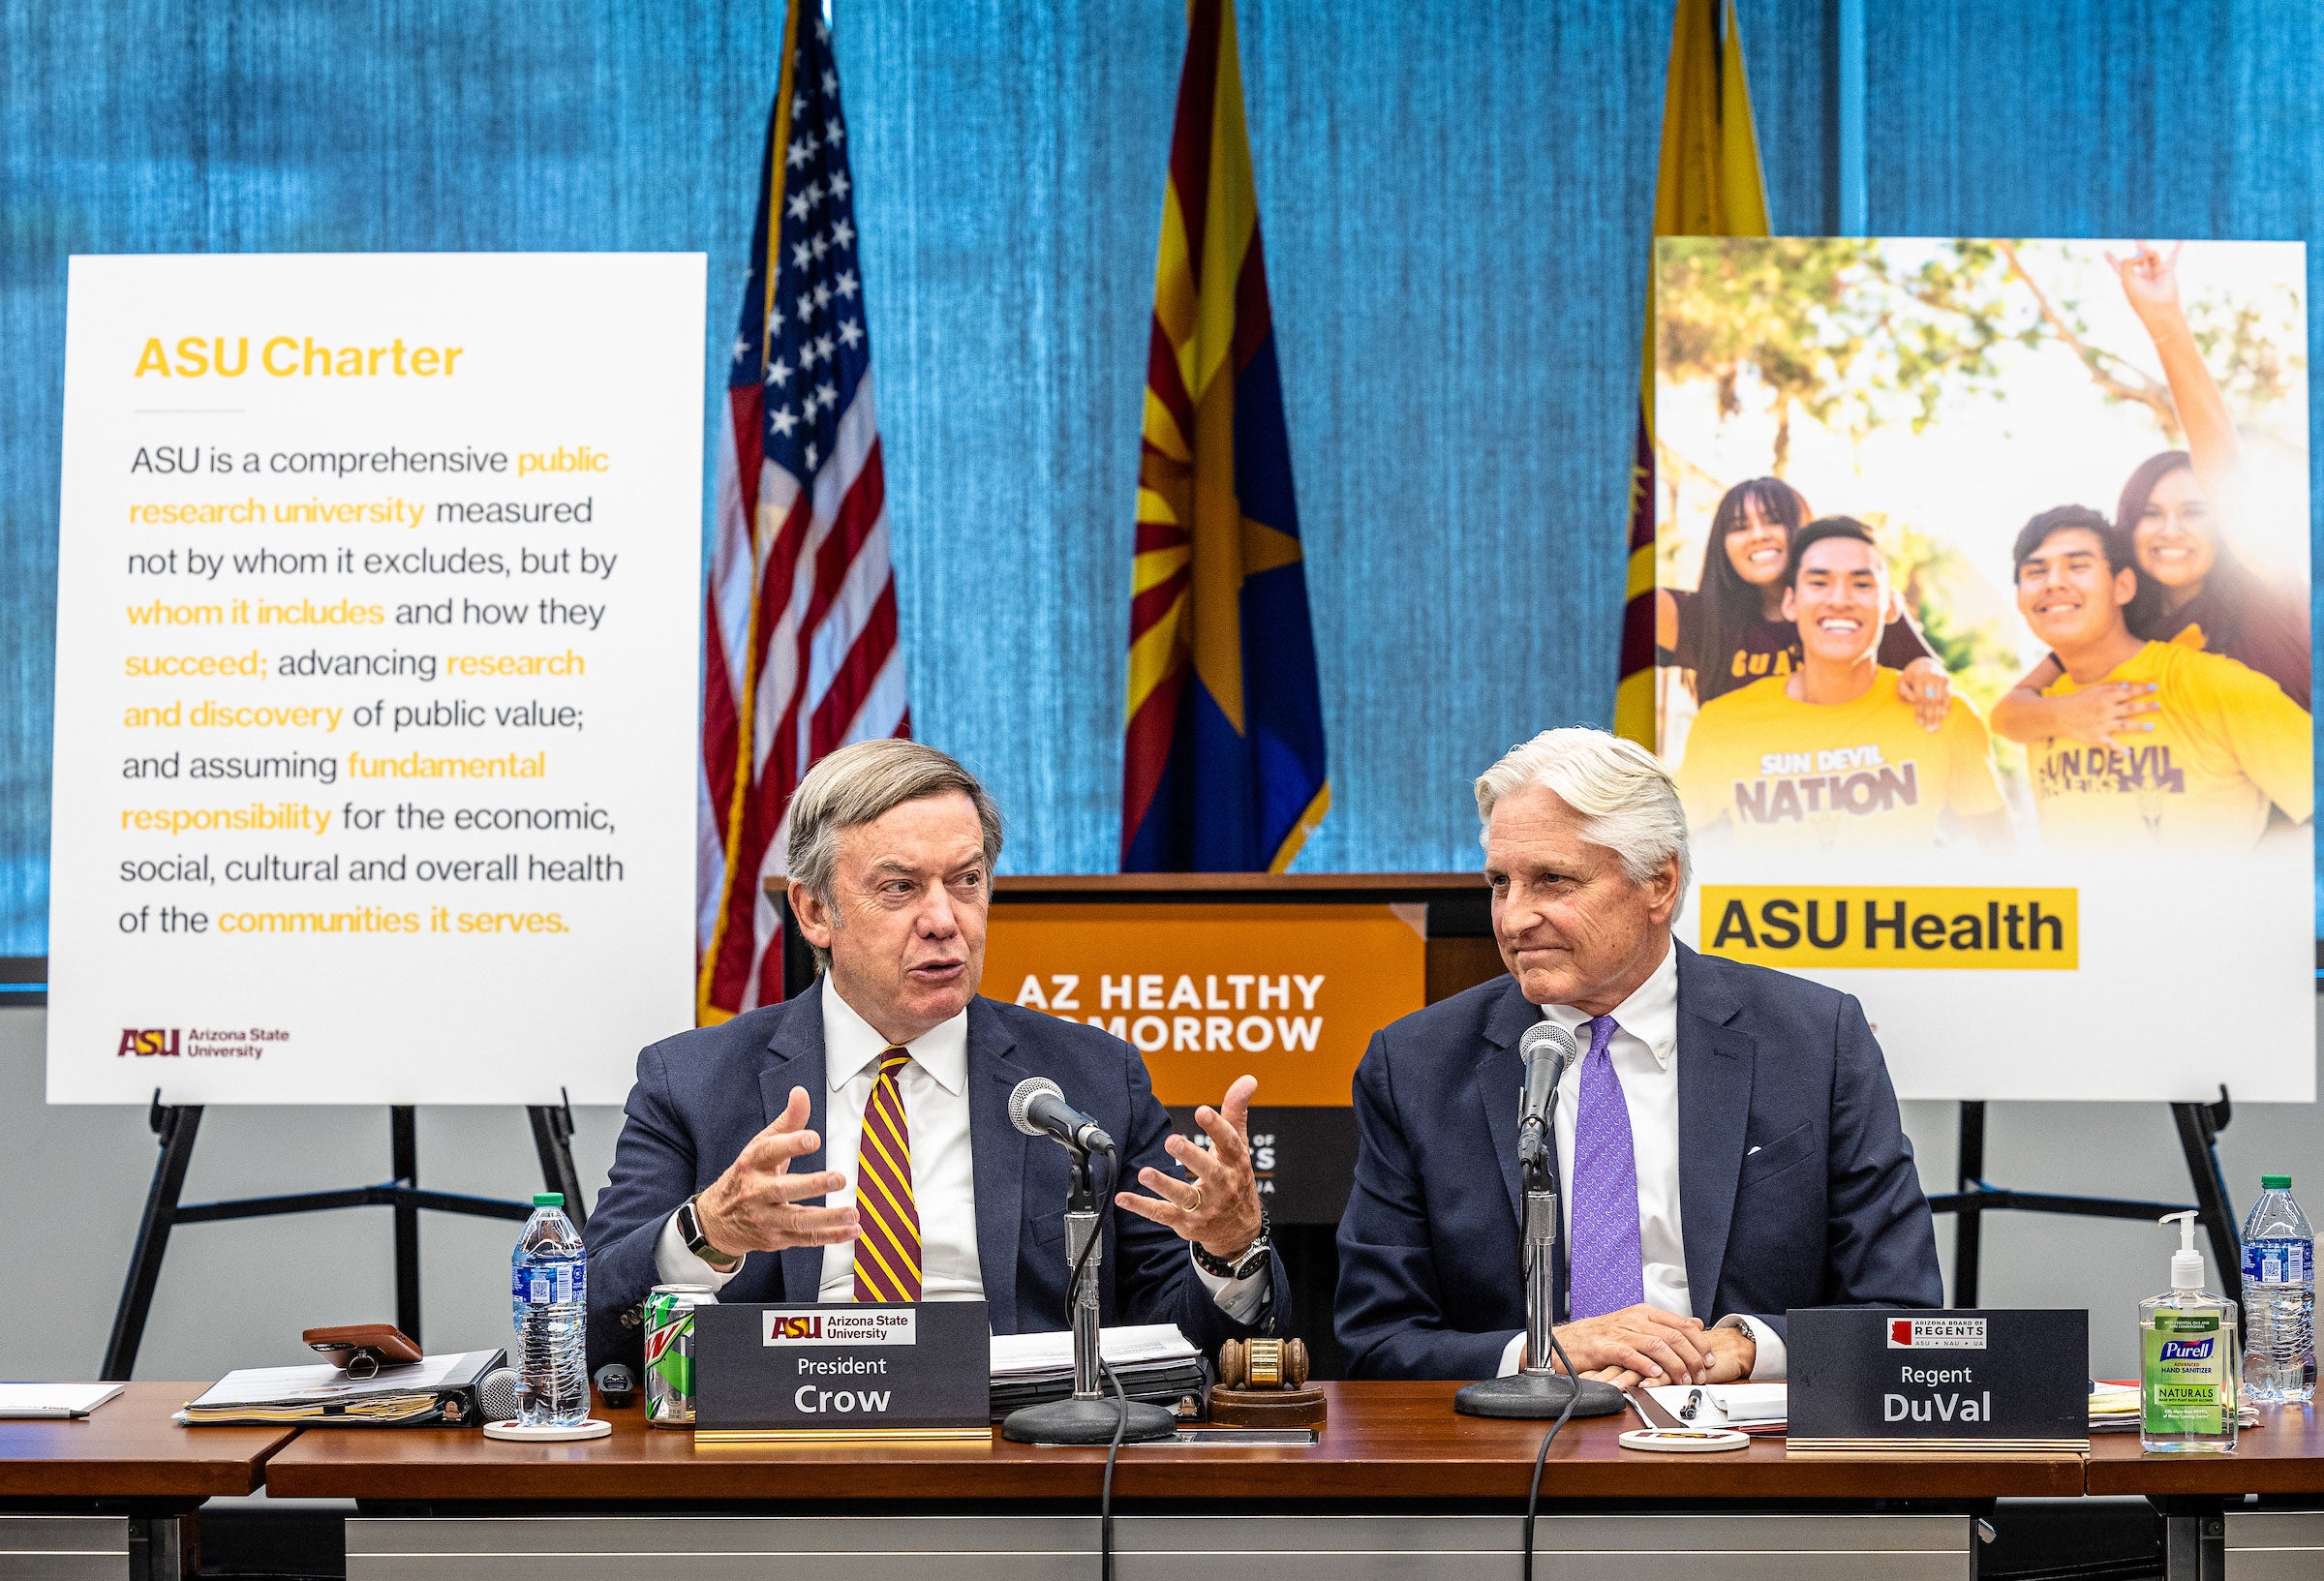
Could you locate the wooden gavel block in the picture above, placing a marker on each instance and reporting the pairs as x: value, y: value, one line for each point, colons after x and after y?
x: 1263, y: 1383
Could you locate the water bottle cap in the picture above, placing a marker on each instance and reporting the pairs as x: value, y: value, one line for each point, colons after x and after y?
x: 548, y: 1199
x: 2275, y: 1182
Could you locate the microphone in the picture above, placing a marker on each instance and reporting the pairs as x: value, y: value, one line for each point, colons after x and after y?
x: 1547, y: 1050
x: 496, y: 1395
x: 1038, y: 1109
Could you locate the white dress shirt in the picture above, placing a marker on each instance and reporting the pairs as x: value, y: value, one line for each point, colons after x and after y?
x: 1645, y: 1053
x: 935, y: 1088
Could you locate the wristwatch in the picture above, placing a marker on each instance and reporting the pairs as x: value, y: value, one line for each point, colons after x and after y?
x: 1253, y: 1259
x: 689, y: 1231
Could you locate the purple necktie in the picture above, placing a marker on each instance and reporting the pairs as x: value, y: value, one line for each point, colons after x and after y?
x: 1606, y: 1272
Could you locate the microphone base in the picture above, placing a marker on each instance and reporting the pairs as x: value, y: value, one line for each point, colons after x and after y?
x: 1088, y: 1423
x: 1539, y: 1397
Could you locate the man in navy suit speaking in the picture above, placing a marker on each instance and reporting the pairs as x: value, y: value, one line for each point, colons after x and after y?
x: 1728, y: 1142
x: 854, y: 1144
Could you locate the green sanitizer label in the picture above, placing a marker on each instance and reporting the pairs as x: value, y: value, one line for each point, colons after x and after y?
x: 2187, y: 1365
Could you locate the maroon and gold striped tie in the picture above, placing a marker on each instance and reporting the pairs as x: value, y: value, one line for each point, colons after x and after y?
x: 887, y: 1241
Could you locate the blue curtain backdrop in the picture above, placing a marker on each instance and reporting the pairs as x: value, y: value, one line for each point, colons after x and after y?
x: 1455, y: 196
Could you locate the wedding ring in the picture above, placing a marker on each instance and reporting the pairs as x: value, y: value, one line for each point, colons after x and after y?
x: 1196, y: 1206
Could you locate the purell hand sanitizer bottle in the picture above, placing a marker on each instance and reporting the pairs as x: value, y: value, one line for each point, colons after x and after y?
x: 2191, y: 1362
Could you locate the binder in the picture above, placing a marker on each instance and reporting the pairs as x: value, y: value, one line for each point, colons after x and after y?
x: 434, y: 1392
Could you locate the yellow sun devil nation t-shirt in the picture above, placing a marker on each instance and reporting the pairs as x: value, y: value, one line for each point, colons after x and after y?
x: 2226, y: 742
x: 1785, y: 773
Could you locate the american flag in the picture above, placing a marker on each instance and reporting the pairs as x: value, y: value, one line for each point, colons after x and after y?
x: 801, y: 645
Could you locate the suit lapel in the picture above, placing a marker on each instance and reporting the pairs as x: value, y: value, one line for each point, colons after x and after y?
x: 795, y: 1059
x: 1715, y: 1064
x: 997, y: 1150
x: 1500, y: 1083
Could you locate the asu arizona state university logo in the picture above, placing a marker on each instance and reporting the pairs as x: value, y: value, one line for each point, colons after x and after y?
x: 795, y: 1327
x: 145, y: 1041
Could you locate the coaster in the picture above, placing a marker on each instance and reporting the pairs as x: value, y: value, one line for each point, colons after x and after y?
x: 1680, y: 1441
x: 591, y: 1429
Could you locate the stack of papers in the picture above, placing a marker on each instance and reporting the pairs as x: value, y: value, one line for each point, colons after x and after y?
x: 1745, y: 1407
x: 21, y: 1402
x: 2114, y: 1409
x: 1024, y: 1358
x: 1153, y: 1362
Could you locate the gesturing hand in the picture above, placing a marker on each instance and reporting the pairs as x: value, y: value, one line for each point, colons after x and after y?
x: 752, y: 1207
x: 2151, y: 282
x: 1218, y: 1209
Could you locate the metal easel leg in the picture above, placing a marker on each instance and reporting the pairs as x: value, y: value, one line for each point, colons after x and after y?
x: 1969, y: 1174
x: 403, y: 1138
x: 2199, y: 1128
x: 552, y: 1141
x: 176, y: 1125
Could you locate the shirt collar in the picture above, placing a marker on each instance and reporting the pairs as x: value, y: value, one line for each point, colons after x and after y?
x: 1649, y: 1015
x: 851, y: 1046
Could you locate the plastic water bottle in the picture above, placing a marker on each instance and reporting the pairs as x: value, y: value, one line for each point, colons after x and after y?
x: 548, y: 1282
x: 2279, y: 1297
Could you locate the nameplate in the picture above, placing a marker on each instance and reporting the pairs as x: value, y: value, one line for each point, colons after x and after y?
x: 1881, y: 1378
x: 821, y: 1369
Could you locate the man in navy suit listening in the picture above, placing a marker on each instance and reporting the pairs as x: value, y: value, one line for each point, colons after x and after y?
x: 854, y: 1144
x: 1728, y: 1142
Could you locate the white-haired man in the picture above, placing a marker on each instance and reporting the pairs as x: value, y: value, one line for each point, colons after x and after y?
x: 854, y: 1144
x: 1728, y: 1143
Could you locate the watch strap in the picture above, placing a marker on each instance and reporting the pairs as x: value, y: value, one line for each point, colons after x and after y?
x: 1253, y: 1258
x: 689, y: 1228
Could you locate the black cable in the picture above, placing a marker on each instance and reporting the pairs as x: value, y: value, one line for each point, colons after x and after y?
x: 1541, y: 1457
x: 1105, y: 1498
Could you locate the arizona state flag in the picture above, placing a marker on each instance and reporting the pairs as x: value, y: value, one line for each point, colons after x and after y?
x: 1223, y: 761
x: 1709, y: 186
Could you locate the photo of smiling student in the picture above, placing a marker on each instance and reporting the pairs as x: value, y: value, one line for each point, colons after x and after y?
x: 1831, y: 755
x: 2228, y: 750
x: 2192, y: 587
x: 1730, y: 631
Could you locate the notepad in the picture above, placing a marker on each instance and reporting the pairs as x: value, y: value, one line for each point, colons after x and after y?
x: 1740, y: 1405
x: 34, y: 1402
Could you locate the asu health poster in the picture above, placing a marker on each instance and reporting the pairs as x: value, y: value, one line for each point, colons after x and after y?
x: 1983, y: 648
x: 377, y: 646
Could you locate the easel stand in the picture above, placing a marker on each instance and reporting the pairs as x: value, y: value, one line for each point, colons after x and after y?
x: 177, y: 1124
x: 2199, y: 1127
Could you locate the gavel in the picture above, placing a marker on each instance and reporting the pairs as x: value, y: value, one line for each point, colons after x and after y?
x: 1262, y: 1364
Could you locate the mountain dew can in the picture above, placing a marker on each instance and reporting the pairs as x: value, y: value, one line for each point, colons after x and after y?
x: 670, y: 1352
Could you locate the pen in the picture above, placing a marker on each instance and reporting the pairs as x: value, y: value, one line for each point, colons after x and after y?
x: 1686, y: 1412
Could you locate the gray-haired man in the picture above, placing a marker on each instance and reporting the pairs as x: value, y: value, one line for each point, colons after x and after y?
x: 854, y: 1144
x: 1729, y: 1144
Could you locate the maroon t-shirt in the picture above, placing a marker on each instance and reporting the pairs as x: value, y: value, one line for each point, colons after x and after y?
x: 2270, y: 635
x: 1768, y: 648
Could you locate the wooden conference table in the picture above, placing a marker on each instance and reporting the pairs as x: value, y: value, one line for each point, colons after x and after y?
x: 111, y: 1495
x: 1400, y: 1485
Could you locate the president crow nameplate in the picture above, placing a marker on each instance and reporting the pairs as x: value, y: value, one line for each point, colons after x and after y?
x: 791, y: 1371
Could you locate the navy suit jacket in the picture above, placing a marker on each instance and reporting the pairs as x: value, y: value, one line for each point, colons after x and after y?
x: 702, y: 1095
x: 1796, y: 1186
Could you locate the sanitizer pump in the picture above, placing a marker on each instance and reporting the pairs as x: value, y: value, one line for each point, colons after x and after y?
x: 2190, y: 1358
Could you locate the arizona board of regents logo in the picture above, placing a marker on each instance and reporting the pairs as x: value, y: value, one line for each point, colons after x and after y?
x: 1937, y: 1333
x: 855, y: 1326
